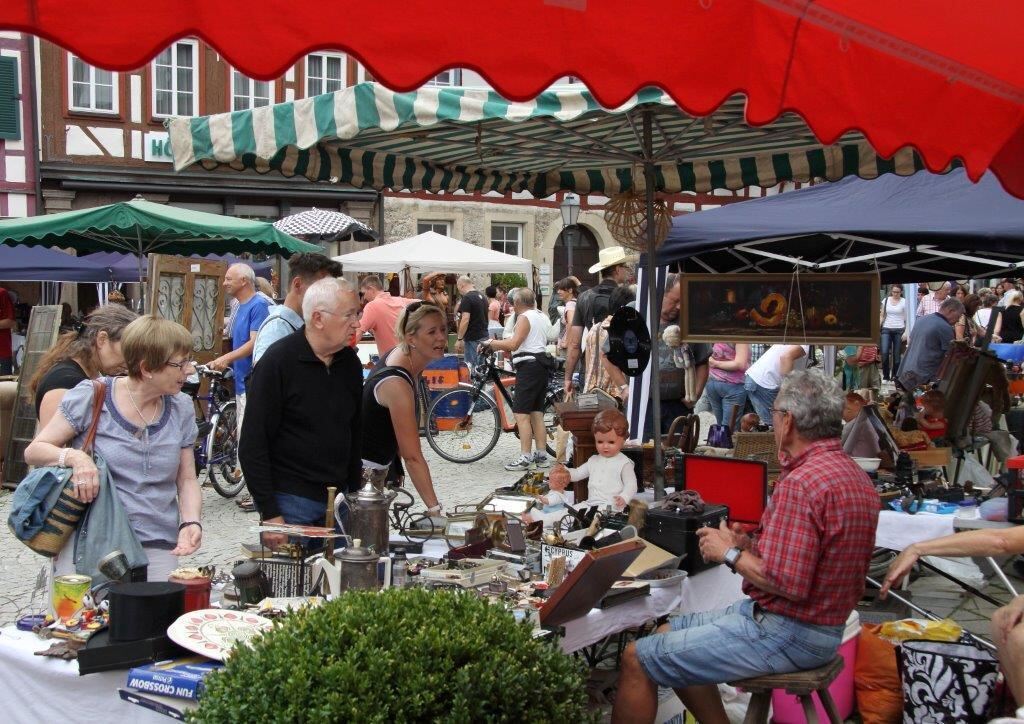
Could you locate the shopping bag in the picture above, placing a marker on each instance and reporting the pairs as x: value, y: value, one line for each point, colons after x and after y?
x: 946, y: 683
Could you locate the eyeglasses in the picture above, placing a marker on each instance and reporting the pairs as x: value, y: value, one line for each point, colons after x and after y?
x: 357, y: 314
x: 184, y: 364
x: 774, y: 411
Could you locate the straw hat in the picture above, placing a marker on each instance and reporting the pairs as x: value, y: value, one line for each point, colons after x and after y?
x: 612, y: 256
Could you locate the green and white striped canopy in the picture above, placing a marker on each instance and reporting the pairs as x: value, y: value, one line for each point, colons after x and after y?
x: 449, y: 139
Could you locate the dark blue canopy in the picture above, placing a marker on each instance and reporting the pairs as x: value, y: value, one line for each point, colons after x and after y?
x: 923, y: 226
x: 41, y: 264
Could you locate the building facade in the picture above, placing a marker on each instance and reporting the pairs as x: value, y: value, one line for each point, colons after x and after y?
x: 17, y: 128
x: 102, y: 137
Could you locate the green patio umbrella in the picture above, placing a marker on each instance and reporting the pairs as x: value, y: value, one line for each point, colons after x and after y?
x: 449, y: 139
x: 141, y: 227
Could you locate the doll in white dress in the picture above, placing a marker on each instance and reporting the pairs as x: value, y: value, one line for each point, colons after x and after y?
x: 612, y: 478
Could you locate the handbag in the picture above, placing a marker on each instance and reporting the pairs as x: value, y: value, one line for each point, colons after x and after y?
x: 62, y: 510
x: 946, y: 682
x: 721, y: 435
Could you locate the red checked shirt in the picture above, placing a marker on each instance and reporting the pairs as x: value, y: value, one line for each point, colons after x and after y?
x: 816, y: 536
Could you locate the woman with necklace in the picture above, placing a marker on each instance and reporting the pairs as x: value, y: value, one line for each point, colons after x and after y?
x: 390, y: 419
x: 145, y: 435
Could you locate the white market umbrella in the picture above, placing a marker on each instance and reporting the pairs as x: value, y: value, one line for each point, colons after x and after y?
x: 432, y: 252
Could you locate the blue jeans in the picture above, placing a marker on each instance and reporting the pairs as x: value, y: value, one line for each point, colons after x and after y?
x: 471, y: 356
x: 723, y: 396
x: 737, y: 642
x: 305, y: 511
x: 761, y: 398
x: 892, y: 343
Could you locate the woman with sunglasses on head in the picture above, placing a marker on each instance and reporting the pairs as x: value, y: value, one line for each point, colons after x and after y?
x: 145, y: 435
x: 91, y: 350
x: 390, y: 419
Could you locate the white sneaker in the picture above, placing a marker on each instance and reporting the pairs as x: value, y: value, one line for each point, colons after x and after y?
x: 522, y: 462
x: 541, y: 460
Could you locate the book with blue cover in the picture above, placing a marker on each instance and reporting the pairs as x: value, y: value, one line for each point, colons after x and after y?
x: 177, y: 678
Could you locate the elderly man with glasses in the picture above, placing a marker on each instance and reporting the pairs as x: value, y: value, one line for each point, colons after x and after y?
x: 803, y: 570
x: 303, y: 432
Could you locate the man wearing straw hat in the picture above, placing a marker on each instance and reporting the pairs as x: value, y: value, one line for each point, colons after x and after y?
x: 615, y: 265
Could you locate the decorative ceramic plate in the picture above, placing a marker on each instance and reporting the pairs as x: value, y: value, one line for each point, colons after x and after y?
x: 213, y: 632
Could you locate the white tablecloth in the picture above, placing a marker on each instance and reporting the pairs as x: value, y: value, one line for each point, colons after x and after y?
x: 897, y: 530
x: 40, y: 689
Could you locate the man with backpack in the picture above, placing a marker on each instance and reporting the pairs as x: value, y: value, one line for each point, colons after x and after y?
x: 283, y: 319
x: 615, y: 265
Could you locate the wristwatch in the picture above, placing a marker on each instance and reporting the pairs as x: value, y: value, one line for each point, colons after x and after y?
x: 732, y: 557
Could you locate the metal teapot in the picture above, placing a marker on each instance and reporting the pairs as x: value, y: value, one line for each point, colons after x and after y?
x: 358, y: 568
x: 368, y: 516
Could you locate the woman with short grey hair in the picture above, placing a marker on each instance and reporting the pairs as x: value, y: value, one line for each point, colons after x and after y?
x: 815, y: 402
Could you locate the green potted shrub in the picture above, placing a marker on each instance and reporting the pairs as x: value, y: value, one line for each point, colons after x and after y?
x: 396, y: 656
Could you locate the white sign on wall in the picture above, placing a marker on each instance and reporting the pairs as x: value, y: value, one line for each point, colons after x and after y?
x: 156, y: 146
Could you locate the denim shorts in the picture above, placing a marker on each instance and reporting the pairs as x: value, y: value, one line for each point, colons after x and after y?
x: 733, y: 643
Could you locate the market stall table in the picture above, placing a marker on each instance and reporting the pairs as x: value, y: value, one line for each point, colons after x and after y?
x: 42, y: 689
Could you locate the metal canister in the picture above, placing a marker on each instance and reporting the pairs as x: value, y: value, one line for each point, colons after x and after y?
x: 368, y: 517
x: 358, y: 568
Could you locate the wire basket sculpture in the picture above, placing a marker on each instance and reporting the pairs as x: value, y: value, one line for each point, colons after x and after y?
x: 626, y: 216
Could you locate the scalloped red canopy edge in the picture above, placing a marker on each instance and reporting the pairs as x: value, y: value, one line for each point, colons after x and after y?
x: 941, y: 76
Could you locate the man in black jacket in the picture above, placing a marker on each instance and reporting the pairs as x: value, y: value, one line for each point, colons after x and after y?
x: 302, y: 430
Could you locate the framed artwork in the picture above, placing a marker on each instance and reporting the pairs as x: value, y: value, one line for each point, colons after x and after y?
x: 774, y: 308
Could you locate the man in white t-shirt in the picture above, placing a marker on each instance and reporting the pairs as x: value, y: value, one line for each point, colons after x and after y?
x: 534, y: 366
x: 764, y: 377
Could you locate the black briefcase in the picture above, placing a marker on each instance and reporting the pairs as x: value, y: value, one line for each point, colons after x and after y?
x: 677, y: 532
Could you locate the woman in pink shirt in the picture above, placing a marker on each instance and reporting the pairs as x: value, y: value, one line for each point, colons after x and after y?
x: 724, y: 389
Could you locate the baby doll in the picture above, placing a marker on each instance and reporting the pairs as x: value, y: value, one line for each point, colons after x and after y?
x: 854, y: 404
x: 612, y: 477
x: 932, y: 417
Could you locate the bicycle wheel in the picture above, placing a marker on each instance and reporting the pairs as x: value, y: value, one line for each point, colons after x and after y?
x: 462, y: 425
x: 222, y: 449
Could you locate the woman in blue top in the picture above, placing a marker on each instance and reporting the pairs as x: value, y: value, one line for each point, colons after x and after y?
x: 145, y: 434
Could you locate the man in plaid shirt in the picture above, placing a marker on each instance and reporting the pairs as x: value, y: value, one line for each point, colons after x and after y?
x: 930, y: 304
x: 803, y: 570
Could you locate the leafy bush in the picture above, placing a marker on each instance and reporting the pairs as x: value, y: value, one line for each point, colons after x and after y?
x: 396, y: 656
x: 508, y: 280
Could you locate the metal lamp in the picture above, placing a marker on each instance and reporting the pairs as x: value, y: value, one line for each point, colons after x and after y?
x: 570, y: 208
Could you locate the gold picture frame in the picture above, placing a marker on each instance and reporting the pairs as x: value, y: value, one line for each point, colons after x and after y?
x: 838, y: 309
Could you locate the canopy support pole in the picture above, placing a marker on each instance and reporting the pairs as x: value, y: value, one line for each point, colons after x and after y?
x: 652, y: 304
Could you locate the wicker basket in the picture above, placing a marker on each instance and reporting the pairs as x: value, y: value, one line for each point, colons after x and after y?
x: 757, y: 446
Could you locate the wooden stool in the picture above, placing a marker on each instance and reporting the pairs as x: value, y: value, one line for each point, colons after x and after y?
x: 799, y: 683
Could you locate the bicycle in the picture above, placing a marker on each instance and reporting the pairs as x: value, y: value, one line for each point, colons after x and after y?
x: 463, y: 424
x: 216, y: 447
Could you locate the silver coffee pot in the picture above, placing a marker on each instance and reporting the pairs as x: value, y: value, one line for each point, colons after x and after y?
x: 368, y: 517
x: 358, y: 568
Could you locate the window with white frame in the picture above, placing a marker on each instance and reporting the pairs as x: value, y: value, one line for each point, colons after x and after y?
x: 247, y: 93
x: 176, y: 80
x: 507, y: 238
x: 90, y: 88
x: 325, y: 73
x: 452, y: 76
x: 438, y: 227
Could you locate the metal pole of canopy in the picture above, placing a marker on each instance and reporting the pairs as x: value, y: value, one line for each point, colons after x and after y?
x: 652, y: 305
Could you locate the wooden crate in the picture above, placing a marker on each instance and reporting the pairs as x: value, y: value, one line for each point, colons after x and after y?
x: 933, y: 457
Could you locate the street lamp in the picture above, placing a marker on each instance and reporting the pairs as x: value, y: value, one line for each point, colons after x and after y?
x: 570, y: 209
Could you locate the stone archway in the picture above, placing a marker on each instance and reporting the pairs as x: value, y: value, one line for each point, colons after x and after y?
x: 584, y: 252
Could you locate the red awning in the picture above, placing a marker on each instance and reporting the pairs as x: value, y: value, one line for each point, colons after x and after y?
x: 944, y: 76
